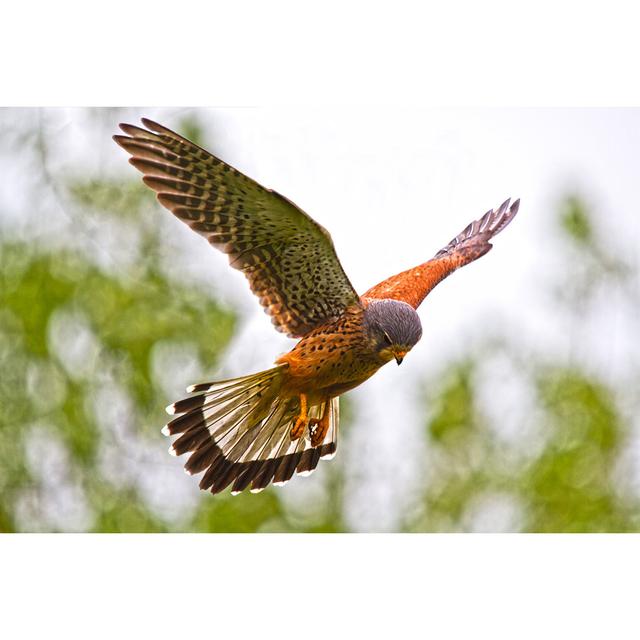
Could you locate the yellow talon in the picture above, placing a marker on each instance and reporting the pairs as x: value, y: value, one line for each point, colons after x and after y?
x: 301, y: 422
x: 319, y: 433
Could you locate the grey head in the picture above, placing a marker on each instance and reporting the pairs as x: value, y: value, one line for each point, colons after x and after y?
x: 393, y: 328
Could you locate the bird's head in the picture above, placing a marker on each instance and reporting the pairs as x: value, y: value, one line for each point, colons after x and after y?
x: 393, y: 328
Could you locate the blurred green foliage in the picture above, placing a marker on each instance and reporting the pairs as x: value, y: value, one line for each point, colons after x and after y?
x: 575, y: 221
x: 569, y: 485
x: 569, y: 477
x: 71, y: 328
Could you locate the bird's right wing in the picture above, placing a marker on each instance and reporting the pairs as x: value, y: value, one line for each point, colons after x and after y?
x: 413, y: 285
x: 288, y: 258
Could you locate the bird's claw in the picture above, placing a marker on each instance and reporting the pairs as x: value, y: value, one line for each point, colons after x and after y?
x: 299, y: 426
x: 318, y: 428
x: 301, y: 421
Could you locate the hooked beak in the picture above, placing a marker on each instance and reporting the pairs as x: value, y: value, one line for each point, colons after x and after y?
x: 399, y: 356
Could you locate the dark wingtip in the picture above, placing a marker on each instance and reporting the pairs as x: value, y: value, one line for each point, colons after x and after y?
x: 154, y: 126
x: 121, y: 140
x: 504, y: 216
x: 134, y: 131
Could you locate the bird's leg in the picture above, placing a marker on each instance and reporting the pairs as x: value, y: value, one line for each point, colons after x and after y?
x: 318, y: 427
x: 301, y: 421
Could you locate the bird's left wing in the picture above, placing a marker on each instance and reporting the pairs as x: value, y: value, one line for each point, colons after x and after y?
x: 288, y: 258
x: 413, y: 285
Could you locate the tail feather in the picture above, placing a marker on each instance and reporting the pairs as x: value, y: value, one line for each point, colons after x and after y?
x: 238, y: 433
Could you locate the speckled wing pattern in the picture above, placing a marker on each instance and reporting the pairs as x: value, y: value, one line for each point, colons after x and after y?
x: 413, y: 285
x: 288, y: 258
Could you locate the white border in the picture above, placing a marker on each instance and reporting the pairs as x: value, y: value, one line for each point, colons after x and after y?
x: 314, y: 586
x: 187, y: 53
x: 494, y: 53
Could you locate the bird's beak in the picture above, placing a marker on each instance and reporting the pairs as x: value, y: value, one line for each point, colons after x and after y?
x: 399, y: 356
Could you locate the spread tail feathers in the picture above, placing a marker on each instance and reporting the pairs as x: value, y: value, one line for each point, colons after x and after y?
x: 238, y: 432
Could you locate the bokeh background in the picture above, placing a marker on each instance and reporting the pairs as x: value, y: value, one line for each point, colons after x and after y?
x: 518, y: 410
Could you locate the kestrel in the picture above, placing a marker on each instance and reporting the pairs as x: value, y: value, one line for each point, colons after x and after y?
x: 263, y: 428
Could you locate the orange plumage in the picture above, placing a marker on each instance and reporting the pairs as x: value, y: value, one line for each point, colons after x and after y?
x: 265, y: 427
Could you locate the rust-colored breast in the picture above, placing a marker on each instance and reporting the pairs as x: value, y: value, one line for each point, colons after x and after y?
x: 332, y: 359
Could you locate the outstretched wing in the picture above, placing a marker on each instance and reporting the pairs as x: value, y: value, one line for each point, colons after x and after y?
x: 288, y: 258
x: 413, y: 285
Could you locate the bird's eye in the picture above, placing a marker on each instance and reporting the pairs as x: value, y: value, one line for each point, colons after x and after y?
x: 387, y: 339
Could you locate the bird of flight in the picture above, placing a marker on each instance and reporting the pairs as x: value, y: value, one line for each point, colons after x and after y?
x: 263, y: 428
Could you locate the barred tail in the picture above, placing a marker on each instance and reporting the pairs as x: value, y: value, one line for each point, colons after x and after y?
x: 238, y: 432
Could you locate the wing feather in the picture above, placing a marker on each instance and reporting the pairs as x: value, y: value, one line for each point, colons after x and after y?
x: 288, y: 258
x: 413, y: 285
